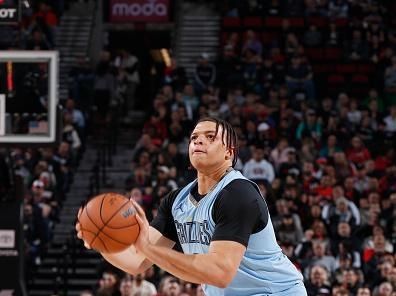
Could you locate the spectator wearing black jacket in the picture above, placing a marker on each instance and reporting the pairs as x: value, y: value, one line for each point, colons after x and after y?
x: 205, y: 74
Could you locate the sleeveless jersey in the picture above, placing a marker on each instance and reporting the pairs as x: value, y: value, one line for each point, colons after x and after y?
x: 264, y: 269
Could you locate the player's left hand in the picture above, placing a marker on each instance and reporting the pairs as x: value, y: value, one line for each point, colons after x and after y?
x: 142, y: 241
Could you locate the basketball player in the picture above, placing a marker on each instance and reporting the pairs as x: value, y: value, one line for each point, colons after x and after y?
x: 221, y: 222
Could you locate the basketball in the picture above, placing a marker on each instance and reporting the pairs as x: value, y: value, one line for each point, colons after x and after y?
x: 108, y: 223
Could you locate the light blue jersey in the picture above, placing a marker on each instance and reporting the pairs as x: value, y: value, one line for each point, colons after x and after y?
x: 264, y: 269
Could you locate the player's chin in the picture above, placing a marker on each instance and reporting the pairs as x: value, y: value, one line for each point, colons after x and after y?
x: 198, y: 157
x: 198, y: 164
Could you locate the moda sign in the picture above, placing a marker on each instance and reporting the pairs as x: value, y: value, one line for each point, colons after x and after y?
x: 139, y: 11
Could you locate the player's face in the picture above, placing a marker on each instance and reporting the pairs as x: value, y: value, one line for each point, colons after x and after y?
x: 206, y: 150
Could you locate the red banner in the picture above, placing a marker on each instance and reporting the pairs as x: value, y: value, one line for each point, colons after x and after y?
x: 129, y: 11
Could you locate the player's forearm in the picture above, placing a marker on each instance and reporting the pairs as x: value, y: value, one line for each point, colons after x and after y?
x: 197, y: 268
x: 129, y: 260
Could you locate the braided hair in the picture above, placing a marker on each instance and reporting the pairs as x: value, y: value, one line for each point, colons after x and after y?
x: 228, y: 135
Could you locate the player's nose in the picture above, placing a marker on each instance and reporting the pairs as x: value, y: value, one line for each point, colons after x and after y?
x: 198, y: 140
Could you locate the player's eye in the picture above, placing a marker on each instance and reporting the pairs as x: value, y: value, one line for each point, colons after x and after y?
x: 210, y: 137
x: 192, y: 138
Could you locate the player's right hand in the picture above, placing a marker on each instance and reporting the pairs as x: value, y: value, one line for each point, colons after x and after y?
x: 79, y: 232
x: 79, y: 235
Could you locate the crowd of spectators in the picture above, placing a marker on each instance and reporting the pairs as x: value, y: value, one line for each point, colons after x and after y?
x: 326, y: 8
x: 145, y: 284
x: 325, y: 162
x: 108, y: 87
x: 46, y: 173
x: 37, y: 27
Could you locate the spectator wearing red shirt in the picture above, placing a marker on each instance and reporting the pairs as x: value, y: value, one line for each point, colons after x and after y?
x: 47, y: 15
x: 47, y: 21
x: 325, y: 188
x: 384, y: 160
x: 156, y: 128
x: 358, y: 153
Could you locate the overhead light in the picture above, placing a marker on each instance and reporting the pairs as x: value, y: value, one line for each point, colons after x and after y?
x: 166, y: 57
x: 26, y: 3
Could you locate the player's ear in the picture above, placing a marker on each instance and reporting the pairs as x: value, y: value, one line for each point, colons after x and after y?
x: 229, y: 153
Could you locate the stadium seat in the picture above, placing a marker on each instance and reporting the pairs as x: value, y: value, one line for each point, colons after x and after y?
x: 332, y: 54
x: 231, y: 22
x: 336, y: 79
x: 346, y: 68
x: 296, y: 22
x: 252, y: 22
x: 273, y: 22
x: 341, y: 22
x: 335, y: 84
x: 365, y: 68
x: 323, y: 68
x: 318, y: 21
x: 360, y: 79
x: 314, y: 54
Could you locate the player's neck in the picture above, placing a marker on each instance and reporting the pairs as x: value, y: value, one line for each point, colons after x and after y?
x: 207, y: 181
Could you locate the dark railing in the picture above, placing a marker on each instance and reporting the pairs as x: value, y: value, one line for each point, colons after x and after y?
x: 106, y: 146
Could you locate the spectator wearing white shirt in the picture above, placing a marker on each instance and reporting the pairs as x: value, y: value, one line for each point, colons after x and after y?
x: 128, y: 72
x: 361, y: 179
x: 78, y: 117
x: 279, y: 154
x: 343, y: 210
x: 390, y: 120
x: 354, y: 114
x: 319, y: 257
x: 257, y: 168
x: 141, y: 287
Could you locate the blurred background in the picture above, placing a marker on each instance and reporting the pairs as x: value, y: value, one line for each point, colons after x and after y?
x: 309, y: 86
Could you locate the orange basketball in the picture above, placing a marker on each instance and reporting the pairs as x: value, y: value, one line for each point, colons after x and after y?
x: 108, y: 223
